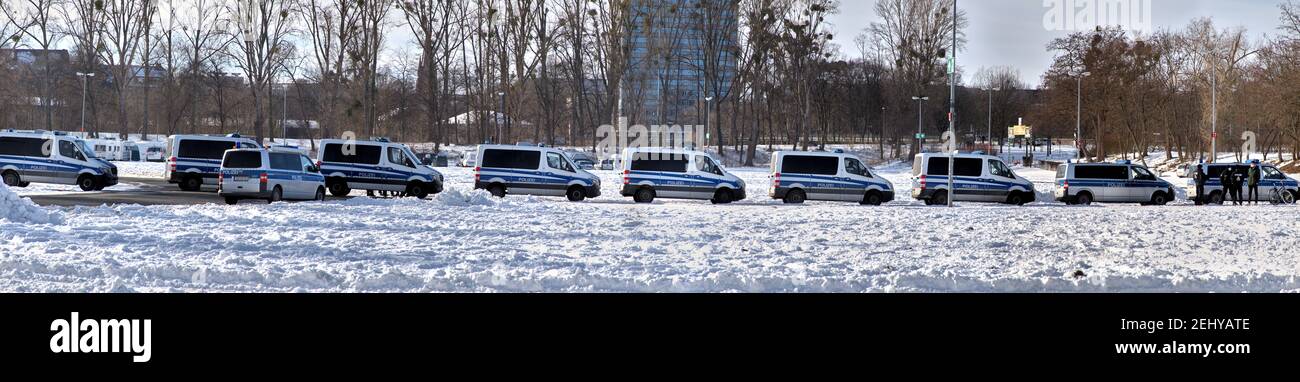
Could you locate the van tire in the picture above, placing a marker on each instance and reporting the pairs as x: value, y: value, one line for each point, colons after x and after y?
x: 1295, y: 196
x: 417, y: 190
x: 795, y: 196
x: 576, y: 194
x: 320, y: 194
x: 872, y: 198
x: 338, y: 187
x: 191, y: 183
x: 1216, y: 198
x: 1083, y: 199
x: 940, y: 198
x: 1159, y: 199
x: 722, y: 196
x: 1016, y: 198
x: 12, y: 179
x: 232, y: 201
x: 644, y: 195
x: 497, y: 190
x: 87, y: 183
x: 277, y: 195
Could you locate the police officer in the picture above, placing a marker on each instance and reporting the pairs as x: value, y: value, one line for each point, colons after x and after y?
x: 1200, y: 177
x: 1226, y: 178
x: 1252, y: 179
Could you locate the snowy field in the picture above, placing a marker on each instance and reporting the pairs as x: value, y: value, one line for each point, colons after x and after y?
x: 466, y: 241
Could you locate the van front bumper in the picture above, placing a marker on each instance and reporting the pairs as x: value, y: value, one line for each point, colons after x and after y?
x: 592, y: 191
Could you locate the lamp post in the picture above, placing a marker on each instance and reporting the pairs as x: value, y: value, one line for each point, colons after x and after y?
x: 83, y: 76
x: 989, y: 137
x: 919, y: 139
x: 952, y: 102
x: 499, y: 115
x: 1214, y: 115
x: 1078, y: 115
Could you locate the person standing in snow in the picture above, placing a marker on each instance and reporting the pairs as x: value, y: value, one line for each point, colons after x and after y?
x: 1226, y: 178
x: 1252, y: 179
x: 1200, y: 177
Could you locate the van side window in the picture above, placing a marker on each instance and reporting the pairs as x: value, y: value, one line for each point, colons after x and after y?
x: 855, y: 167
x: 814, y: 165
x: 23, y: 147
x: 556, y: 161
x: 516, y: 159
x: 1142, y: 174
x: 359, y: 154
x: 286, y: 162
x: 662, y: 163
x: 1272, y: 173
x: 398, y: 157
x: 996, y: 167
x: 307, y: 163
x: 704, y: 164
x: 69, y: 150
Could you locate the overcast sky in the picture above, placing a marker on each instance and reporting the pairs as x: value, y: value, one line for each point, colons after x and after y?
x: 1012, y: 32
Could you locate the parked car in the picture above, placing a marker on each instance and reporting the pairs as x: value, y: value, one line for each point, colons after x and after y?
x: 376, y: 165
x: 44, y: 157
x: 678, y: 174
x: 1119, y: 182
x: 272, y: 174
x: 194, y: 160
x: 976, y: 178
x: 833, y: 176
x: 532, y: 170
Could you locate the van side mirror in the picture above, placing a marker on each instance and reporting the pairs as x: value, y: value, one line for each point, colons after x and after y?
x: 313, y: 169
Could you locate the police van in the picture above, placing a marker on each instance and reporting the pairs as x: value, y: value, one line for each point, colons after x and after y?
x: 52, y: 157
x: 651, y: 173
x: 376, y: 165
x: 272, y: 174
x: 194, y: 160
x: 832, y: 176
x: 977, y: 178
x: 1119, y: 182
x: 532, y: 170
x: 1269, y: 178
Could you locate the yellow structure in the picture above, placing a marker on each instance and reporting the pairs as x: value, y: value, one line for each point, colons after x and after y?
x: 1020, y: 130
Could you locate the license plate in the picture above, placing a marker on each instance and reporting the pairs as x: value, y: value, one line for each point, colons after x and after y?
x: 241, y: 178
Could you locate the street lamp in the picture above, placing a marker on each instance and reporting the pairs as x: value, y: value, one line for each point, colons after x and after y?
x: 83, y: 76
x: 501, y: 113
x: 989, y: 138
x: 919, y: 137
x: 1214, y: 115
x: 1078, y: 115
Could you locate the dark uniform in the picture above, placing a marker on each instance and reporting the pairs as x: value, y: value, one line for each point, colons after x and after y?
x: 1227, y: 178
x: 1200, y: 177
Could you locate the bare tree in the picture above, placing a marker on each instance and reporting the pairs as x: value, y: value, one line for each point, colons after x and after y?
x: 332, y: 28
x: 372, y: 16
x: 84, y: 21
x: 34, y: 19
x: 262, y: 36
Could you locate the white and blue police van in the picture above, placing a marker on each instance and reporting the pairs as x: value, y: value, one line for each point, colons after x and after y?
x: 1119, y: 182
x: 272, y: 174
x: 976, y: 178
x: 830, y: 176
x: 1270, y: 178
x: 194, y: 161
x: 532, y: 170
x: 52, y: 157
x: 376, y: 165
x: 668, y: 173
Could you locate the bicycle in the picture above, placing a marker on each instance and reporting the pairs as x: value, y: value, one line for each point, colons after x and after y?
x: 1280, y: 196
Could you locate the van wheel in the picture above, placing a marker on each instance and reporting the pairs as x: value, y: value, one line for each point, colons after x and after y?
x: 940, y: 198
x: 644, y: 195
x: 12, y: 180
x: 87, y: 183
x: 191, y: 183
x: 1216, y: 198
x: 872, y: 198
x: 320, y: 194
x: 338, y: 187
x: 277, y: 195
x: 1016, y: 199
x: 795, y: 196
x: 497, y: 190
x: 1083, y: 198
x: 1159, y: 199
x: 417, y: 190
x: 722, y: 196
x: 1295, y: 195
x: 232, y: 201
x: 576, y: 194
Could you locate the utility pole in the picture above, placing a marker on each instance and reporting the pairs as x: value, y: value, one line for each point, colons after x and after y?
x: 990, y: 136
x: 920, y: 136
x: 1214, y: 115
x: 952, y: 102
x: 1078, y: 115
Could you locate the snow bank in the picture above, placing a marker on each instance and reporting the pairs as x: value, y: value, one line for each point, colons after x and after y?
x: 18, y: 209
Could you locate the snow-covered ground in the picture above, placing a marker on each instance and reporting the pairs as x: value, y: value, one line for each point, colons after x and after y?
x: 463, y: 240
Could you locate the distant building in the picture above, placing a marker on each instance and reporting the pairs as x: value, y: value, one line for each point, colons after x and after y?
x: 670, y: 40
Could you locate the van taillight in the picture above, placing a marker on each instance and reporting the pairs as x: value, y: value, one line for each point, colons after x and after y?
x: 172, y: 163
x: 262, y: 178
x: 627, y: 176
x: 1066, y: 186
x: 922, y: 181
x: 476, y: 170
x: 776, y: 180
x: 220, y: 178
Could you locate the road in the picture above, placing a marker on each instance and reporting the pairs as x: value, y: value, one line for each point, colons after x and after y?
x: 148, y: 192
